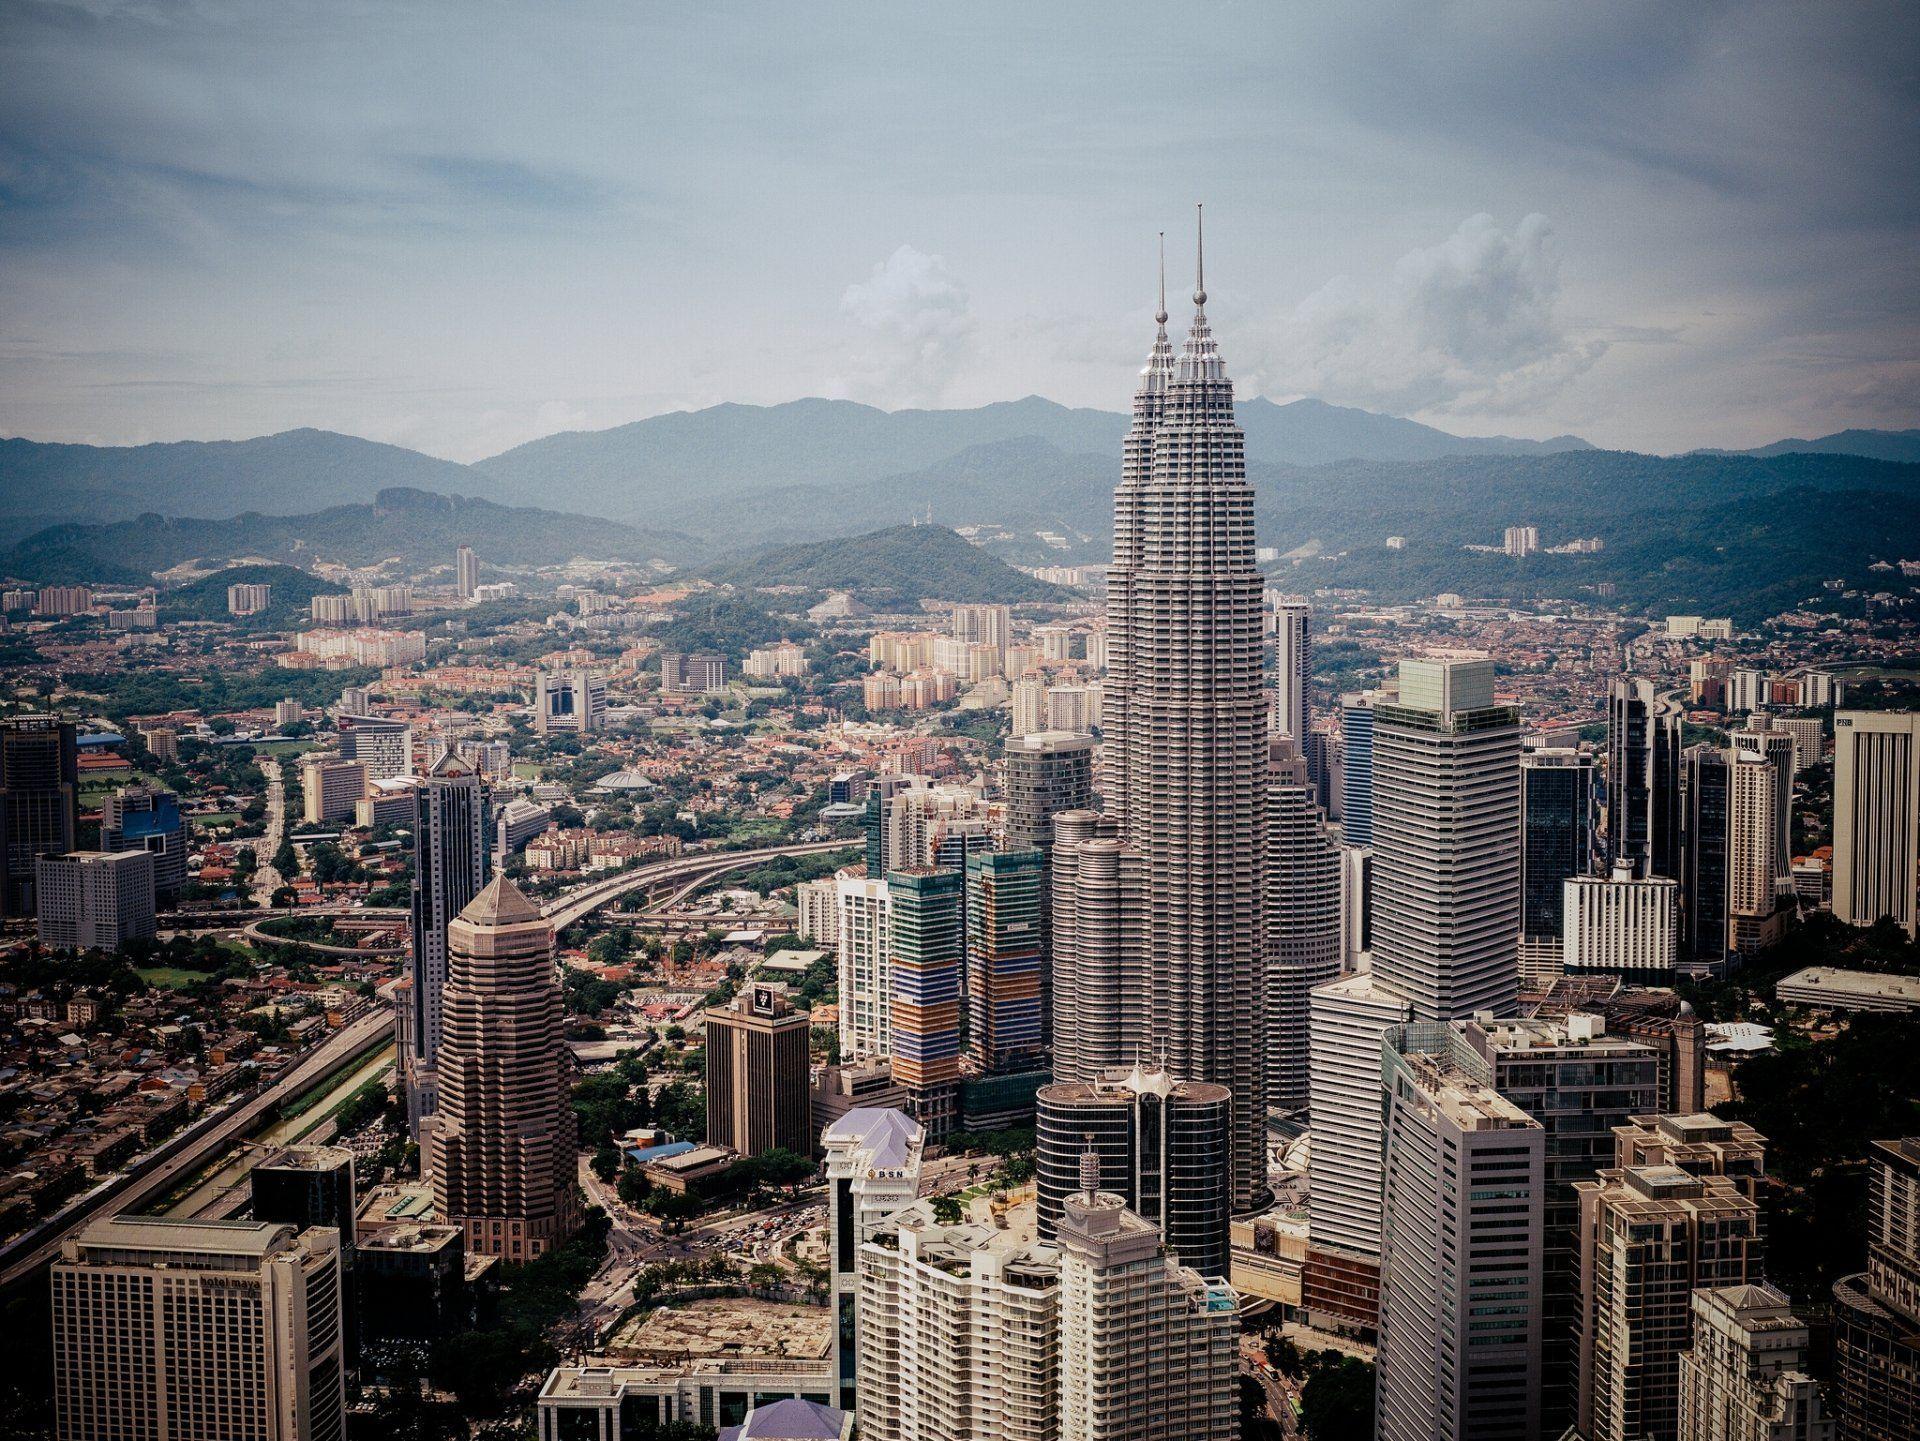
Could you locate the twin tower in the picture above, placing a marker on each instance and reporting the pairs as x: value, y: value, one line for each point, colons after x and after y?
x: 1157, y: 902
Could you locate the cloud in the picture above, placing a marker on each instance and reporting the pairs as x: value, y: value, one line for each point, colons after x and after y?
x: 916, y: 326
x: 1470, y: 324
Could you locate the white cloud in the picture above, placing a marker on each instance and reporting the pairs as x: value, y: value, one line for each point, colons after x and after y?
x: 1468, y: 325
x: 916, y: 327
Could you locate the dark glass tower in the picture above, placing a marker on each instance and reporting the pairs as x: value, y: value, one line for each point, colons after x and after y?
x: 1556, y: 799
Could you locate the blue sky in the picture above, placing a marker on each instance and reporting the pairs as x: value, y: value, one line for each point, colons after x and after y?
x: 458, y: 226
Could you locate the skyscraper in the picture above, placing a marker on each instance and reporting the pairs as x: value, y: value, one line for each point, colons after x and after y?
x: 466, y: 567
x: 1099, y: 949
x: 147, y: 818
x: 757, y: 1078
x: 1643, y: 777
x: 449, y: 868
x: 39, y: 802
x: 569, y: 702
x: 1292, y: 669
x: 1356, y: 775
x: 171, y: 1329
x: 925, y: 956
x: 1556, y: 801
x: 1745, y: 1377
x: 1703, y: 882
x: 1006, y: 937
x: 1446, y: 869
x: 1460, y: 1277
x: 1185, y: 718
x: 1159, y: 1144
x: 94, y: 900
x: 1876, y: 817
x: 1877, y: 1341
x: 500, y: 1148
x: 1755, y: 916
x: 863, y: 921
x: 384, y: 747
x: 1774, y: 744
x: 873, y: 1168
x: 1302, y: 920
x: 1047, y: 772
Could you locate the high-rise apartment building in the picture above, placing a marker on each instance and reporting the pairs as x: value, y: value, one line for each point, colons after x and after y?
x: 863, y: 923
x: 466, y: 572
x: 39, y: 802
x: 1556, y: 810
x: 384, y: 747
x: 1161, y: 1145
x: 169, y: 1330
x: 873, y: 1159
x: 1029, y: 701
x: 1356, y: 774
x: 1745, y: 1377
x: 500, y: 1146
x: 1292, y: 669
x: 1876, y: 817
x: 1460, y: 1263
x: 1703, y: 881
x: 1006, y: 959
x: 926, y: 950
x: 1098, y: 983
x: 94, y: 900
x: 983, y: 624
x: 1624, y: 923
x: 1757, y: 897
x: 1446, y: 868
x: 1649, y: 1235
x: 1185, y: 718
x: 569, y: 702
x: 1877, y: 1312
x: 1302, y: 921
x: 758, y: 1085
x: 692, y: 674
x: 1643, y: 777
x: 449, y: 868
x: 249, y: 598
x: 147, y: 818
x: 1768, y: 739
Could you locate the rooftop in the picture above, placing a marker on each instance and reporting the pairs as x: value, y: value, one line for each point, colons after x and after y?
x: 732, y: 1327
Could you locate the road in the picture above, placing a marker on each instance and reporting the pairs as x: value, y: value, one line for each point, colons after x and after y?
x: 266, y: 880
x: 570, y: 907
x: 182, y: 1156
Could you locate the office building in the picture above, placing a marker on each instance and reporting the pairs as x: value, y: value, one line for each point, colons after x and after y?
x: 1185, y: 720
x: 170, y: 1330
x: 39, y: 802
x: 1877, y: 1311
x: 449, y: 868
x: 863, y: 924
x: 758, y: 1086
x: 1756, y: 915
x: 1809, y: 736
x: 1446, y: 868
x: 1460, y: 1260
x: 873, y: 1157
x: 466, y: 572
x: 1006, y: 943
x: 1703, y: 895
x: 1623, y: 923
x: 694, y: 674
x: 1292, y: 711
x: 332, y: 788
x: 1745, y: 1377
x: 1356, y: 907
x: 1349, y: 1019
x: 304, y: 1187
x: 1643, y: 777
x: 926, y: 949
x: 1556, y: 810
x: 1579, y: 1082
x: 1650, y: 1235
x: 1302, y: 921
x: 248, y: 599
x: 1876, y: 817
x: 94, y: 900
x: 500, y: 1146
x: 1047, y: 772
x: 1356, y: 768
x: 569, y: 702
x: 384, y: 747
x: 1161, y: 1145
x: 147, y: 818
x: 516, y: 823
x: 1148, y: 1349
x: 1098, y: 981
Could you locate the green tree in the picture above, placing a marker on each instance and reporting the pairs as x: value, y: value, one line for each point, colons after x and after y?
x: 1336, y: 1404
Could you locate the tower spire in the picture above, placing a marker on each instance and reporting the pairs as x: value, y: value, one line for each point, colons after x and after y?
x: 1200, y: 255
x: 1161, y: 314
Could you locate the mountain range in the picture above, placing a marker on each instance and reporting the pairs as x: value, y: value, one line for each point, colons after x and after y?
x: 890, y: 569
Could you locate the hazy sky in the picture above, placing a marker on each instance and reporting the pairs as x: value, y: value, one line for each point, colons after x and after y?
x: 457, y: 226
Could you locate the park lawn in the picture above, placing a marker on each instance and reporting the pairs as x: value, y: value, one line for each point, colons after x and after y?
x: 169, y: 978
x: 526, y: 770
x: 282, y: 750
